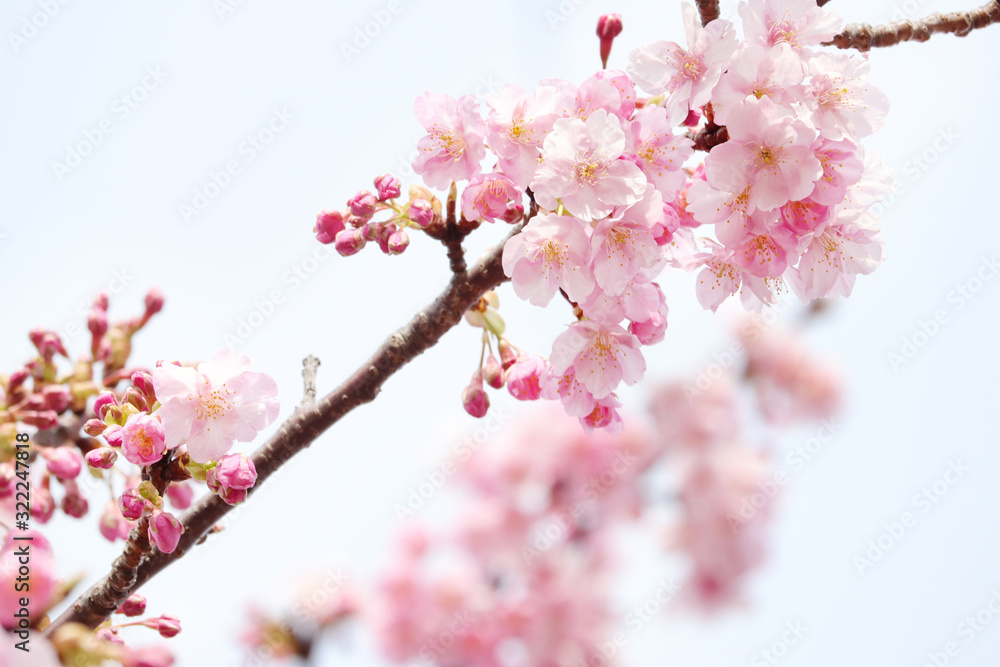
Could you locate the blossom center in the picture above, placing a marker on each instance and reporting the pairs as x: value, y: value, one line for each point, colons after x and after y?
x: 215, y: 405
x: 588, y: 170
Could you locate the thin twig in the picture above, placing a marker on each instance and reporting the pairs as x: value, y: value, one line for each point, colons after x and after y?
x: 309, y: 366
x: 423, y: 331
x: 863, y: 37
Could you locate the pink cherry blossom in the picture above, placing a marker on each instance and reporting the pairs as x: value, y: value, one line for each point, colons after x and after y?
x: 637, y: 302
x: 551, y: 252
x: 658, y: 151
x: 517, y: 125
x: 841, y: 169
x: 833, y: 258
x: 774, y: 72
x: 581, y: 166
x: 215, y: 405
x: 113, y: 525
x: 487, y: 196
x: 64, y: 462
x: 768, y: 250
x: 652, y: 329
x: 844, y: 103
x: 143, y: 439
x: 524, y: 378
x: 798, y: 23
x: 687, y: 75
x: 769, y: 151
x: 623, y: 246
x: 453, y: 147
x: 603, y: 356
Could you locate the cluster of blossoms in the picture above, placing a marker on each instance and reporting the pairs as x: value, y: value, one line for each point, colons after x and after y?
x: 151, y: 431
x: 525, y: 572
x: 782, y: 197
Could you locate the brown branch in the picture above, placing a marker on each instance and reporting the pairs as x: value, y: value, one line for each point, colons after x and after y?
x: 709, y: 136
x: 863, y: 37
x: 422, y: 332
x: 708, y: 10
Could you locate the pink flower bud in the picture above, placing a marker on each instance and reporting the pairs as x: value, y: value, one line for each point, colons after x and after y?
x: 328, y: 225
x: 609, y: 26
x: 372, y: 231
x: 362, y: 205
x: 43, y: 505
x: 398, y: 242
x: 97, y: 322
x: 143, y: 439
x: 102, y: 458
x: 101, y: 301
x: 45, y: 419
x: 34, y: 403
x: 421, y: 212
x: 132, y: 505
x: 17, y: 379
x: 514, y: 212
x: 109, y: 635
x: 663, y: 230
x: 233, y: 496
x: 165, y: 531
x: 113, y: 434
x: 64, y: 462
x: 492, y: 372
x: 143, y: 383
x: 524, y: 378
x: 507, y: 355
x: 154, y: 302
x: 349, y: 242
x: 94, y: 427
x: 113, y: 525
x: 180, y: 495
x: 104, y: 400
x: 387, y: 187
x: 56, y: 397
x: 74, y: 504
x: 474, y: 399
x: 693, y: 118
x: 134, y: 398
x: 167, y: 626
x: 651, y: 331
x: 236, y: 471
x: 134, y: 605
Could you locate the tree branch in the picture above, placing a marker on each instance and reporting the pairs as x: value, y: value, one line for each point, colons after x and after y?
x: 422, y: 332
x: 863, y: 37
x: 708, y: 10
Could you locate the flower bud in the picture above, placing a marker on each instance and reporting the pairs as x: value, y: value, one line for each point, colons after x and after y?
x: 232, y: 477
x: 132, y: 505
x: 148, y: 656
x: 113, y: 525
x: 143, y: 383
x: 693, y: 118
x: 371, y: 231
x: 474, y: 398
x: 514, y: 212
x: 101, y: 301
x: 524, y: 378
x: 44, y: 419
x: 421, y: 212
x: 165, y: 532
x: 154, y: 303
x: 349, y: 242
x: 16, y: 381
x: 73, y: 503
x: 94, y: 427
x: 105, y: 400
x: 398, y: 242
x: 43, y: 505
x: 492, y: 372
x: 63, y: 462
x: 56, y: 397
x: 180, y: 495
x: 387, y: 187
x: 507, y: 354
x: 109, y: 635
x: 362, y: 205
x: 168, y: 626
x: 328, y: 225
x: 102, y: 458
x: 134, y: 605
x: 135, y: 399
x: 97, y: 322
x: 609, y: 26
x: 113, y: 435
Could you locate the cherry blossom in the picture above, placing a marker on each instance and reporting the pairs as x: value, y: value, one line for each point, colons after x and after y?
x: 516, y: 126
x: 453, y: 147
x: 798, y: 23
x: 603, y: 356
x: 552, y: 252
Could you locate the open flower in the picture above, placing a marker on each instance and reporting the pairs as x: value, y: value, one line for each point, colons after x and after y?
x: 143, y: 439
x: 215, y: 405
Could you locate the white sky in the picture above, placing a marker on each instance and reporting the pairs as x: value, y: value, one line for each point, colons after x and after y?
x: 222, y: 79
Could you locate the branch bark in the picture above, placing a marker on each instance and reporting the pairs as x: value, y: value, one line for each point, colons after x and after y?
x: 864, y: 37
x: 708, y: 10
x: 422, y: 332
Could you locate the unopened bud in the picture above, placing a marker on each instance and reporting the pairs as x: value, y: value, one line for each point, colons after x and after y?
x: 398, y: 242
x: 102, y: 458
x: 134, y: 605
x: 492, y: 372
x: 421, y: 212
x: 328, y: 225
x: 609, y: 26
x: 387, y: 187
x: 363, y: 205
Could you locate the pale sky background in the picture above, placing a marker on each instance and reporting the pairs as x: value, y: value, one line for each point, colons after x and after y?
x: 224, y: 77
